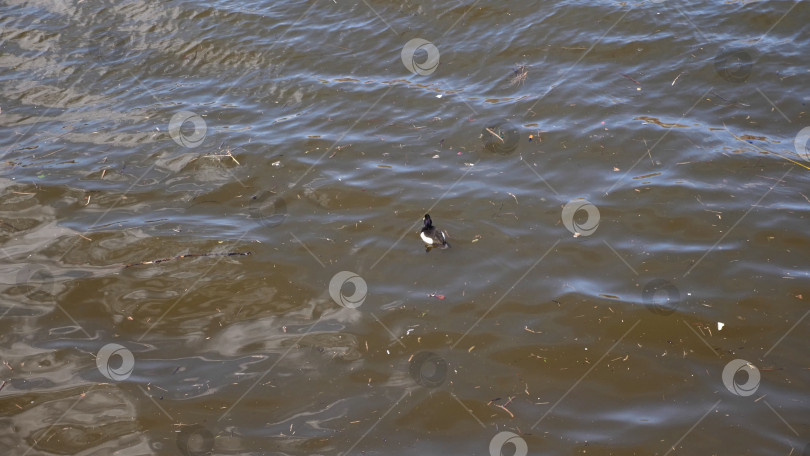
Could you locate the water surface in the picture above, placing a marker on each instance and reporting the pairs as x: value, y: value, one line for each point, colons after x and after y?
x: 621, y: 183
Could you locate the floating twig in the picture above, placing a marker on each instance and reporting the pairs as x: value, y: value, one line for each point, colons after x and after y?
x: 190, y: 255
x: 495, y: 134
x: 766, y: 151
x: 225, y: 155
x: 519, y: 75
x: 337, y: 149
x: 505, y: 409
x: 733, y: 103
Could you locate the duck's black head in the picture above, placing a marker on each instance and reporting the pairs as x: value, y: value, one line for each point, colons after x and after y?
x: 428, y: 222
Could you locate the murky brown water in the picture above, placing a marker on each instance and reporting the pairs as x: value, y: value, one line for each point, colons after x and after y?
x: 624, y: 186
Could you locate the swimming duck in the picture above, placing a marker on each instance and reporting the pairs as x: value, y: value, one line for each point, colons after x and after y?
x: 432, y: 236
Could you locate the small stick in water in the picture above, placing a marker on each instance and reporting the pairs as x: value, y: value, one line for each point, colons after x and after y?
x: 495, y: 134
x: 190, y: 255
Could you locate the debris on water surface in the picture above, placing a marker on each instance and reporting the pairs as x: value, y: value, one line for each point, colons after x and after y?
x: 519, y: 75
x: 744, y: 138
x: 493, y: 133
x: 628, y: 77
x: 190, y: 255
